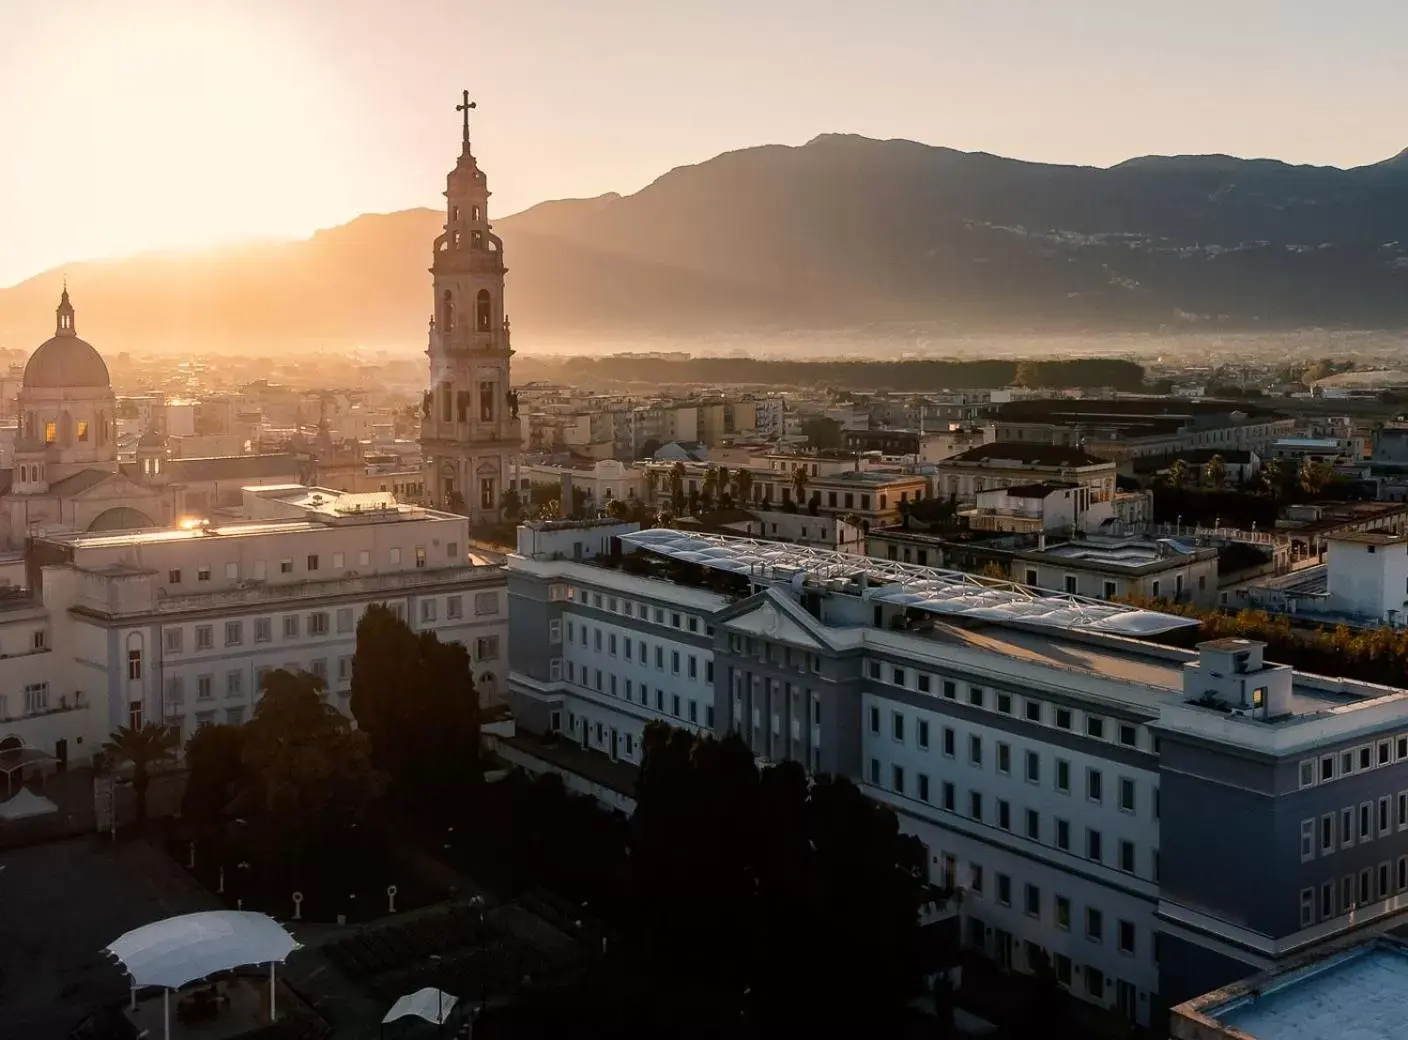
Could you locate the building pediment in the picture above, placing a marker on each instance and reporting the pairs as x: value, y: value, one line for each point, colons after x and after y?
x: 111, y: 487
x: 771, y: 615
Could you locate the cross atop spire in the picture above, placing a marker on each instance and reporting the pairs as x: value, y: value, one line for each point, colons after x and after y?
x: 466, y: 106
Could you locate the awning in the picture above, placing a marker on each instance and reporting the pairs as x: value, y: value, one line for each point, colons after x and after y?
x: 431, y: 1004
x: 25, y: 804
x: 182, y: 949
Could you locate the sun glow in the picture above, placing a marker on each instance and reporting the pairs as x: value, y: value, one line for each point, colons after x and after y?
x: 189, y: 128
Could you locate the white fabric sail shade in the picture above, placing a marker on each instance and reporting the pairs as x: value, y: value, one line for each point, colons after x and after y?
x: 180, y: 950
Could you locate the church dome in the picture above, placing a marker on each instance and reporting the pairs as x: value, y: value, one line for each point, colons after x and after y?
x: 65, y: 361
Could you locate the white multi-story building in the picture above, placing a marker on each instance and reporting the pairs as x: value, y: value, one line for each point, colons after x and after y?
x: 181, y: 624
x: 1157, y: 821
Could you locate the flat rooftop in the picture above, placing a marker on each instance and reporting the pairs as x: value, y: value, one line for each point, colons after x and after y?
x: 1359, y: 994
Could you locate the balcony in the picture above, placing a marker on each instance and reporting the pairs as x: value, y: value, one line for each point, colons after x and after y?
x: 78, y: 701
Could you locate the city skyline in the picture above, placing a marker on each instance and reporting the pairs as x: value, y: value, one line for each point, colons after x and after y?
x: 261, y: 120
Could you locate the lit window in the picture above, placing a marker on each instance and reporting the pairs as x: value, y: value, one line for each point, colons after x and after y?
x: 82, y: 429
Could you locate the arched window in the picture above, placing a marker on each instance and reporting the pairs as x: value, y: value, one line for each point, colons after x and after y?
x: 447, y: 312
x: 474, y: 214
x: 483, y: 311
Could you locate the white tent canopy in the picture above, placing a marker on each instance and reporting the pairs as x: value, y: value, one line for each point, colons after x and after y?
x: 179, y: 950
x: 25, y: 804
x: 431, y: 1004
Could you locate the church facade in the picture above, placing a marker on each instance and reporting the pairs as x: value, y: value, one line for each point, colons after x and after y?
x: 469, y: 427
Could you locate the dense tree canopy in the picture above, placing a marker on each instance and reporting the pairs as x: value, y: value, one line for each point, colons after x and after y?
x: 214, y: 768
x: 804, y: 894
x: 414, y: 698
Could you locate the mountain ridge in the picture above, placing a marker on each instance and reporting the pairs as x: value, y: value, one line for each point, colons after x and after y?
x: 840, y: 232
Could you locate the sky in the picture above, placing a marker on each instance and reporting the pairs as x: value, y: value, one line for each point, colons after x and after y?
x: 128, y: 125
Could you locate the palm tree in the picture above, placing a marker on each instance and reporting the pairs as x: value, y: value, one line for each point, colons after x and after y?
x: 677, y: 475
x: 722, y: 487
x: 142, y: 747
x: 1216, y: 472
x: 1178, y: 474
x: 743, y: 487
x: 652, y: 482
x: 711, y: 483
x: 1273, y: 477
x: 799, y: 484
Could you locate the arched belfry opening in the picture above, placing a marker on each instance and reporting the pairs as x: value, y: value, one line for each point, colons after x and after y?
x: 483, y: 311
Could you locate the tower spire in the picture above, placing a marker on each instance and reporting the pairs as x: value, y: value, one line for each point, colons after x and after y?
x: 465, y: 106
x: 63, y: 323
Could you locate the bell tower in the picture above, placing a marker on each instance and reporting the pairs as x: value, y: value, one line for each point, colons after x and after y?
x: 469, y: 422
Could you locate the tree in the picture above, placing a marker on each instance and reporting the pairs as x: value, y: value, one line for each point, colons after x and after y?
x: 710, y: 485
x: 723, y: 486
x: 677, y: 477
x: 822, y: 432
x: 143, y: 746
x: 616, y: 509
x: 1312, y: 475
x: 308, y: 778
x: 1273, y: 477
x: 652, y: 482
x: 214, y: 767
x: 414, y: 698
x: 512, y: 506
x: 799, y: 483
x: 1216, y: 472
x: 1178, y: 474
x: 743, y: 487
x: 995, y: 570
x: 814, y: 503
x: 648, y: 448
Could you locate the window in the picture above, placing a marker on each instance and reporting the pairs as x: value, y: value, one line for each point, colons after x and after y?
x: 1366, y: 885
x: 204, y: 687
x: 874, y: 720
x: 486, y: 648
x: 263, y: 629
x: 1033, y: 825
x: 1129, y: 735
x: 1032, y: 710
x: 1063, y: 776
x: 1033, y: 770
x: 1093, y: 850
x: 173, y: 639
x: 975, y: 696
x: 1327, y: 833
x: 203, y: 572
x: 921, y: 679
x: 1126, y: 931
x: 1063, y: 718
x: 1063, y: 913
x: 875, y: 669
x: 36, y: 698
x: 1307, y: 773
x: 1094, y: 926
x: 950, y: 689
x: 1384, y: 818
x: 875, y: 771
x: 975, y: 879
x: 234, y: 633
x: 1346, y: 828
x: 948, y: 742
x: 364, y: 558
x: 1004, y: 890
x: 338, y: 560
x: 1127, y: 856
x: 1063, y: 835
x: 1365, y: 822
x: 1004, y: 814
x: 318, y: 621
x: 420, y: 556
x: 312, y: 561
x: 897, y: 779
x: 1004, y: 758
x: 1402, y: 809
x: 1004, y: 703
x: 975, y: 750
x: 1383, y: 880
x: 1094, y: 727
x: 344, y: 621
x: 1366, y: 758
x: 205, y: 637
x: 173, y: 577
x: 975, y: 805
x: 285, y: 566
x: 234, y: 684
x: 486, y: 603
x: 1126, y: 794
x: 897, y: 676
x: 949, y: 795
x: 290, y: 626
x: 1032, y: 898
x: 1307, y: 840
x: 922, y: 734
x: 1093, y: 785
x: 1327, y: 768
x: 923, y: 787
x: 897, y: 726
x: 394, y: 555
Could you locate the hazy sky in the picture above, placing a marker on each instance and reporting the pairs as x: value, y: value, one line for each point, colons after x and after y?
x: 132, y: 124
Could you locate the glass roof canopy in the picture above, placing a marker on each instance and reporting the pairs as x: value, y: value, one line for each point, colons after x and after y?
x: 902, y: 584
